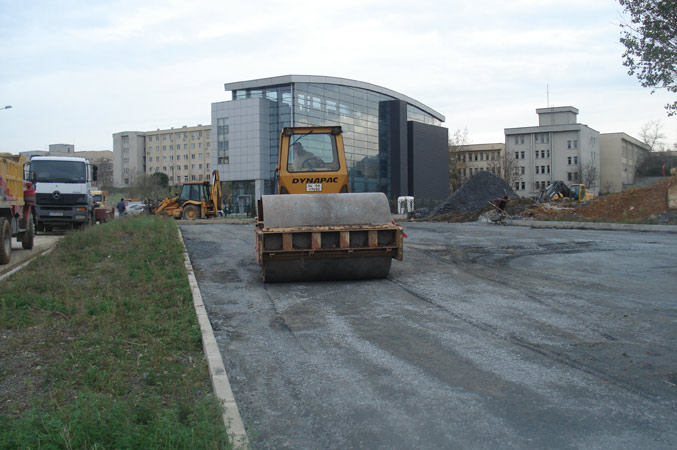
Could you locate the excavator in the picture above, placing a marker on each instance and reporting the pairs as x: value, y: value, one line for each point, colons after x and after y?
x: 558, y: 190
x: 314, y: 228
x: 197, y: 200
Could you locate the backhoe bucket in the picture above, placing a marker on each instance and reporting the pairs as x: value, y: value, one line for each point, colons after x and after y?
x: 310, y: 237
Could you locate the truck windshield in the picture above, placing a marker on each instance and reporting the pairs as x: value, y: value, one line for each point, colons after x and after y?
x: 59, y: 171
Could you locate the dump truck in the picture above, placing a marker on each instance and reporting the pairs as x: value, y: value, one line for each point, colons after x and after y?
x: 17, y: 203
x: 313, y: 228
x: 197, y: 200
x: 102, y: 213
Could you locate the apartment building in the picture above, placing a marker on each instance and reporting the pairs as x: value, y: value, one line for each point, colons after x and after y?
x: 559, y: 148
x: 472, y: 158
x: 129, y: 157
x: 183, y: 154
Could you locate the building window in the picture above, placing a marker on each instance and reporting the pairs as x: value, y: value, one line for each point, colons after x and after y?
x: 542, y: 153
x: 536, y: 169
x: 575, y: 160
x: 542, y: 169
x: 568, y: 144
x: 548, y: 169
x: 517, y: 185
x: 522, y: 170
x: 569, y: 176
x: 524, y: 185
x: 522, y: 155
x: 536, y: 154
x: 575, y: 176
x: 575, y: 143
x: 569, y: 160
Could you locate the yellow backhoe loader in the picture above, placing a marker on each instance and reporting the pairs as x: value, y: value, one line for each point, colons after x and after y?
x: 314, y: 229
x: 197, y: 200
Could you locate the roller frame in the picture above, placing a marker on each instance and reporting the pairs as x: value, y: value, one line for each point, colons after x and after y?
x: 298, y: 245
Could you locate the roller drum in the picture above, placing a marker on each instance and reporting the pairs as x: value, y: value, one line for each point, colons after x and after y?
x: 312, y: 237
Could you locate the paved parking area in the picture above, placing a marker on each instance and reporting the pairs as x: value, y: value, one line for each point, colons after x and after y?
x: 484, y: 336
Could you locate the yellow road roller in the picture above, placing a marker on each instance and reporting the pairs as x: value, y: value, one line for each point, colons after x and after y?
x: 314, y: 228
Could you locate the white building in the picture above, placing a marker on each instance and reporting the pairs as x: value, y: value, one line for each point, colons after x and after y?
x: 559, y: 148
x: 128, y: 156
x: 620, y: 156
x: 183, y: 154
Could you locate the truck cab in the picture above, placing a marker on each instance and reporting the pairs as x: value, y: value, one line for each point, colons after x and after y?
x: 63, y: 191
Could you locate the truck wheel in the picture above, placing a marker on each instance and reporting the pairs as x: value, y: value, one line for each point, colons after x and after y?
x: 191, y: 212
x: 27, y: 240
x: 5, y: 240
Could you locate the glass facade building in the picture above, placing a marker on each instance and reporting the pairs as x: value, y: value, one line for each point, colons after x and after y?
x: 247, y: 128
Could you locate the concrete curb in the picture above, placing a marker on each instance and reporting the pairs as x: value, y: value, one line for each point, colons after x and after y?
x: 592, y: 226
x: 217, y: 371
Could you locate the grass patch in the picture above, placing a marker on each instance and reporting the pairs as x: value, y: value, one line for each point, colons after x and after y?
x: 100, y: 346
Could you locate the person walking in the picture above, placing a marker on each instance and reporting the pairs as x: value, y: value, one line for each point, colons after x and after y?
x: 122, y: 207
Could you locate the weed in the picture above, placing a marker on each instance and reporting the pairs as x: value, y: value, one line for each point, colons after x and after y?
x: 109, y: 317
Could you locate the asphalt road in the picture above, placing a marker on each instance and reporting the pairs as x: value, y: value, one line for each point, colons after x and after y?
x: 42, y: 242
x: 483, y: 337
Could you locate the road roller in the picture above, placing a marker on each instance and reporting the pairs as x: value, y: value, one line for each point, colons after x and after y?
x: 314, y: 228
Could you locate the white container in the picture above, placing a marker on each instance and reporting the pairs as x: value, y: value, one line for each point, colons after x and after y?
x: 405, y: 205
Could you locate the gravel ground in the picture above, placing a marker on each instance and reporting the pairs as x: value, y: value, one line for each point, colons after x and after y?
x: 484, y: 336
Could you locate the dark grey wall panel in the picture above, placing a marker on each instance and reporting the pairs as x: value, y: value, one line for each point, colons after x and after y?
x: 428, y: 156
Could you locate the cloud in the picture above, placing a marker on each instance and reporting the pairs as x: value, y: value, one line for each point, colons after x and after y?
x: 91, y: 68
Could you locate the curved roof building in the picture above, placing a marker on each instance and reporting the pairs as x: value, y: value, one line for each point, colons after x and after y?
x: 394, y: 144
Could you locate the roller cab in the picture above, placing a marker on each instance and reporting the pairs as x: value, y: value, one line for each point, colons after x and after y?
x: 312, y: 161
x: 314, y: 229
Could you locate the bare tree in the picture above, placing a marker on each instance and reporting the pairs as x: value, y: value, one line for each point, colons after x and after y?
x: 590, y: 175
x: 457, y: 145
x: 507, y: 168
x: 148, y: 187
x: 652, y: 134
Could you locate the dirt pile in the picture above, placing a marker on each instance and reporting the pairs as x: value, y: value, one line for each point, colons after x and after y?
x: 642, y: 205
x: 473, y: 196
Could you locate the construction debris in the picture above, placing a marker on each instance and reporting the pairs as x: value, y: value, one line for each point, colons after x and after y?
x: 472, y: 202
x: 467, y: 203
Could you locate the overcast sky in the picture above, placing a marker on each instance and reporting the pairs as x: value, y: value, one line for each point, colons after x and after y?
x: 75, y: 72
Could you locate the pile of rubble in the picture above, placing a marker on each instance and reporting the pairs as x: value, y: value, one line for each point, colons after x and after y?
x: 472, y: 199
